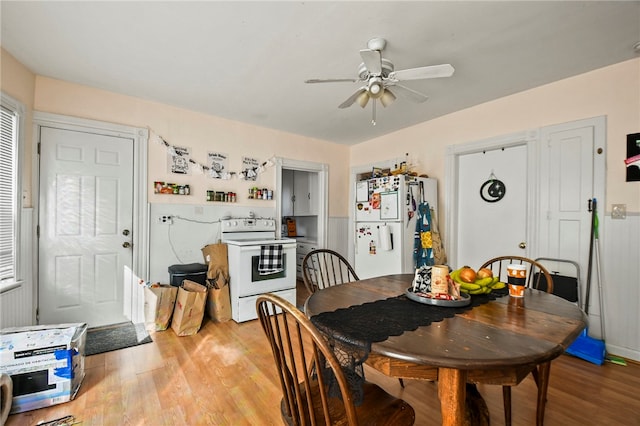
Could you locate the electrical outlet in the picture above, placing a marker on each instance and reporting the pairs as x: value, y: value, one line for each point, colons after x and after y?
x: 165, y: 220
x: 618, y: 211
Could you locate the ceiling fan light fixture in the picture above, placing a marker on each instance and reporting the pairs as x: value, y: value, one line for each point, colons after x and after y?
x: 363, y: 99
x: 387, y: 98
x: 375, y: 88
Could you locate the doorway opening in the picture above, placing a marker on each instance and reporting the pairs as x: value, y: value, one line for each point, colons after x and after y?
x: 303, y: 197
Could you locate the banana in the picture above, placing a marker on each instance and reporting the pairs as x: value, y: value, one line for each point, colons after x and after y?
x: 498, y: 285
x: 469, y: 286
x: 477, y: 291
x: 483, y: 282
x: 455, y: 275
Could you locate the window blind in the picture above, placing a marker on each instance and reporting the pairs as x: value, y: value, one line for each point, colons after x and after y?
x: 8, y: 184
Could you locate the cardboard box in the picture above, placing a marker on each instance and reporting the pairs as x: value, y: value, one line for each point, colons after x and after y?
x: 46, y: 363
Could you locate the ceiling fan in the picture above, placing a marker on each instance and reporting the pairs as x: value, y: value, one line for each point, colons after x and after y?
x: 378, y: 75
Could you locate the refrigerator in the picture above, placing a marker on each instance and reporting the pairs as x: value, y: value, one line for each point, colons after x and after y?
x: 385, y: 215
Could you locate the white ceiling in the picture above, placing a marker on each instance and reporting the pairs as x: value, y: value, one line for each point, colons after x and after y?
x: 247, y: 61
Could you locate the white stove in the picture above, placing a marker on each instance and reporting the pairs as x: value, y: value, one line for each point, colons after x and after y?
x: 244, y: 238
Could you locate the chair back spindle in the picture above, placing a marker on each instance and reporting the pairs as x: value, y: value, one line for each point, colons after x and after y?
x: 324, y: 268
x: 535, y: 271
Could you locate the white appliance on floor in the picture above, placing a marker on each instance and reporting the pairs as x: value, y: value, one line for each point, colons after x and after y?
x: 244, y: 238
x: 385, y: 222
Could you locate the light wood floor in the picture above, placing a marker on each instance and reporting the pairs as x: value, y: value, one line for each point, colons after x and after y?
x: 224, y: 375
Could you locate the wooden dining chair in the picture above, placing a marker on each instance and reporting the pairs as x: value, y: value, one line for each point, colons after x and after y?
x: 324, y: 268
x: 296, y: 345
x: 538, y: 278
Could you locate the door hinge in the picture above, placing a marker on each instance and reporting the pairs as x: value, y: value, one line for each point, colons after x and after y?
x: 38, y: 231
x: 37, y: 315
x: 39, y: 148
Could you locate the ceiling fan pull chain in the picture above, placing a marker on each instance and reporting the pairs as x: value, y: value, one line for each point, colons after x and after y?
x: 373, y: 120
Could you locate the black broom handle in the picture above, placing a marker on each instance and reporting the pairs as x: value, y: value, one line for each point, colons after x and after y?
x: 593, y: 206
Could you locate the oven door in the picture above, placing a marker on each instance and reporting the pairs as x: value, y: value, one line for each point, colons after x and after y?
x: 245, y: 280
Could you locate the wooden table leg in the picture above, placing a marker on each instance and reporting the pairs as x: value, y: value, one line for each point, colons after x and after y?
x: 543, y: 384
x: 452, y: 394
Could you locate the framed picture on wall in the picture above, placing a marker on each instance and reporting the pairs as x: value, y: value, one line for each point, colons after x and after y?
x: 178, y: 160
x: 632, y: 161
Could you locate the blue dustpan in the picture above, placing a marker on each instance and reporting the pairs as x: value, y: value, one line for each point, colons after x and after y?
x: 588, y: 348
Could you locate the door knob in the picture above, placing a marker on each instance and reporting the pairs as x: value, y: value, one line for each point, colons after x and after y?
x: 522, y: 245
x: 125, y: 232
x: 126, y: 244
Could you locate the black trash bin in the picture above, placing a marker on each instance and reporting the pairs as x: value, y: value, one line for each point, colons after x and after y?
x: 196, y: 272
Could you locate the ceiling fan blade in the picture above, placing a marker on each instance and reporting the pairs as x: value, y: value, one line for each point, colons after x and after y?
x: 410, y: 93
x: 352, y: 98
x: 433, y: 71
x: 372, y: 60
x: 331, y: 80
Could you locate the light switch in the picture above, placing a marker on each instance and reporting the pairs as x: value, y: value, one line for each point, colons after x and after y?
x: 618, y: 211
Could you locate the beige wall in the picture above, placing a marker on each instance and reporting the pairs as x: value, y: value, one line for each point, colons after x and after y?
x: 200, y: 132
x: 612, y: 91
x: 19, y: 83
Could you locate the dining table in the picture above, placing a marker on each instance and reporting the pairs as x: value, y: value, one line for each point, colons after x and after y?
x: 497, y: 341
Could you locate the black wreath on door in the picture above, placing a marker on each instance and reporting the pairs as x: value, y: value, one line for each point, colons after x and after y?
x: 493, y: 190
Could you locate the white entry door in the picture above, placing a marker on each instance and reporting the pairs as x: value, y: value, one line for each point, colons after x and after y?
x: 571, y: 173
x: 489, y: 224
x: 85, y: 226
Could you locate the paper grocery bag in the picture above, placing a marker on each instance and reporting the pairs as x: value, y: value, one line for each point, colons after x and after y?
x: 215, y: 255
x: 189, y: 310
x: 219, y: 304
x: 159, y: 303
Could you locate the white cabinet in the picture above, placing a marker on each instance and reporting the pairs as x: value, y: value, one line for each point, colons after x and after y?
x: 287, y: 193
x: 302, y: 249
x: 299, y: 193
x: 302, y: 194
